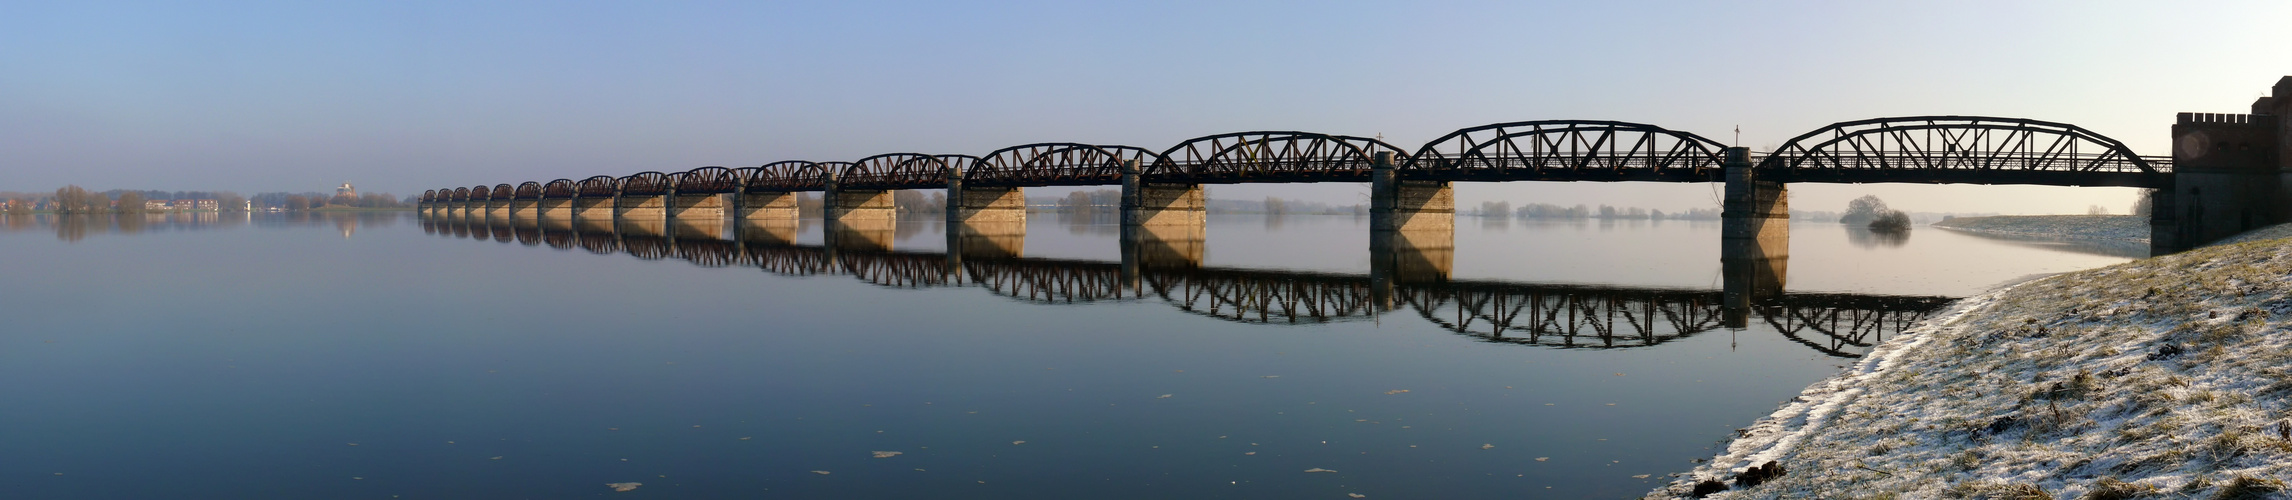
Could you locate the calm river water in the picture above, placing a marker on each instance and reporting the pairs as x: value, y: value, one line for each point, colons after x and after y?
x: 381, y: 356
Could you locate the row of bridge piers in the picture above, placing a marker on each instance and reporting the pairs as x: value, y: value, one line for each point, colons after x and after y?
x: 1163, y: 226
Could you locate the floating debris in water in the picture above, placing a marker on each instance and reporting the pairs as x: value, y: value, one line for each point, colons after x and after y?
x: 1486, y: 446
x: 623, y: 486
x: 1271, y: 376
x: 1318, y: 469
x: 1641, y: 476
x: 745, y: 438
x: 1164, y: 396
x: 1396, y: 391
x: 820, y: 472
x: 1018, y: 442
x: 494, y: 458
x: 887, y: 454
x: 1540, y: 459
x: 1356, y: 495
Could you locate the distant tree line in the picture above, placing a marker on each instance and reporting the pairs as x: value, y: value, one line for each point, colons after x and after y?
x: 1551, y: 211
x: 312, y: 201
x: 77, y: 200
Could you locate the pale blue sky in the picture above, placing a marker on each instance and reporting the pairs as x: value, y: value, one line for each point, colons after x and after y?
x: 403, y: 96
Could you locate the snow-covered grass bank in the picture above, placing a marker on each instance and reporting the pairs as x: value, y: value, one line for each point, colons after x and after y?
x: 2168, y: 377
x: 2087, y: 227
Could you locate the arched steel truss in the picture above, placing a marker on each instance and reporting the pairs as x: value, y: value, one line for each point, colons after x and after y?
x: 503, y: 192
x: 480, y: 193
x: 461, y: 194
x: 1569, y: 316
x: 707, y: 180
x: 599, y: 187
x: 1269, y: 157
x: 1055, y: 164
x: 782, y: 177
x: 1960, y: 149
x: 1567, y: 150
x: 561, y: 188
x: 893, y: 171
x: 429, y: 196
x: 528, y: 191
x: 646, y: 183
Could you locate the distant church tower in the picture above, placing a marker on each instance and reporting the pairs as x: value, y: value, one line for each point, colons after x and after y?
x: 346, y: 190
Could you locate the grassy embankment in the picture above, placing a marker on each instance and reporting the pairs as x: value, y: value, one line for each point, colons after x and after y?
x: 2168, y: 377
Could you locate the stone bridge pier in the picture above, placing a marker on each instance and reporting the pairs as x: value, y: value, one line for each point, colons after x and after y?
x: 694, y: 206
x: 983, y: 205
x: 1754, y: 238
x: 498, y: 208
x: 593, y: 207
x: 763, y: 205
x: 856, y: 204
x: 523, y: 208
x: 641, y: 207
x: 553, y: 208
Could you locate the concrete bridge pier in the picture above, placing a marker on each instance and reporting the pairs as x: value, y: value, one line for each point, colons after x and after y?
x: 1152, y: 204
x: 641, y: 207
x: 759, y: 206
x: 1408, y: 205
x: 553, y: 208
x: 983, y: 205
x: 523, y: 208
x: 593, y: 207
x: 1754, y: 238
x: 497, y: 208
x: 699, y: 207
x: 856, y: 205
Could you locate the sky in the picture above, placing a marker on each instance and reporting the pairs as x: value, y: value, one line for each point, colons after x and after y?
x: 403, y: 96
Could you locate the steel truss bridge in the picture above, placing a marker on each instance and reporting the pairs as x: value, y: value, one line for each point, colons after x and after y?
x: 1917, y: 149
x: 1550, y: 315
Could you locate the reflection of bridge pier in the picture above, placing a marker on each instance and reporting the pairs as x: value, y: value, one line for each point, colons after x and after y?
x: 750, y: 205
x: 1423, y: 256
x: 867, y: 235
x: 1754, y: 239
x: 1159, y: 247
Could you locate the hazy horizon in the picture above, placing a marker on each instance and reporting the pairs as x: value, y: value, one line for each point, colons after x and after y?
x: 402, y: 97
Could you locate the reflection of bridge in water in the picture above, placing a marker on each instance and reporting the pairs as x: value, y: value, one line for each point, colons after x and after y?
x: 1402, y: 279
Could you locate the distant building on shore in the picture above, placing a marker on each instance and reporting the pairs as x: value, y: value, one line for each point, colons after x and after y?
x: 346, y: 190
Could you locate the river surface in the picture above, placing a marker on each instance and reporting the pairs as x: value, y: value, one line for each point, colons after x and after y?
x: 385, y: 356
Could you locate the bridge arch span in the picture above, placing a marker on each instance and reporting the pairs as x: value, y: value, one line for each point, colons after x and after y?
x: 480, y: 193
x: 1279, y: 156
x: 599, y: 186
x: 527, y: 191
x: 1055, y: 164
x: 1961, y: 149
x: 647, y: 183
x: 503, y: 191
x: 1567, y: 150
x: 461, y: 194
x: 707, y: 180
x: 894, y: 171
x: 783, y: 176
x: 561, y: 188
x: 429, y: 196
